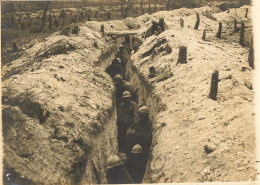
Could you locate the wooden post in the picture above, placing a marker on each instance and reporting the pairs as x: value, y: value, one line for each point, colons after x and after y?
x: 219, y: 30
x: 181, y: 22
x: 168, y: 5
x: 251, y: 55
x: 15, y: 47
x: 152, y: 72
x: 102, y: 29
x: 50, y: 21
x: 242, y: 34
x: 235, y: 26
x: 197, y: 22
x: 44, y: 14
x: 214, y: 85
x: 75, y: 30
x: 182, y: 59
x: 204, y: 35
x: 122, y: 8
x: 149, y: 6
x: 246, y: 13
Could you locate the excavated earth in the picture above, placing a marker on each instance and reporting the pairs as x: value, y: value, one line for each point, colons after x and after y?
x: 59, y: 116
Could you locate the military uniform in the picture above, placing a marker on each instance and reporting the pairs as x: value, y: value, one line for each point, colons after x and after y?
x: 127, y: 115
x: 116, y: 171
x: 115, y: 68
x: 136, y: 164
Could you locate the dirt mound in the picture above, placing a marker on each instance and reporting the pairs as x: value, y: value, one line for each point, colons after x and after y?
x: 58, y: 113
x: 196, y: 138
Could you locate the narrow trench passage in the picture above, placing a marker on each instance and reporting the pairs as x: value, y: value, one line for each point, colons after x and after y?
x: 134, y: 125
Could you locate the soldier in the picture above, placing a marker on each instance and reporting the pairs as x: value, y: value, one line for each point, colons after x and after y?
x: 137, y: 42
x: 115, y: 68
x: 151, y: 30
x: 56, y: 22
x: 127, y: 115
x: 123, y: 85
x: 136, y: 163
x: 123, y: 55
x: 127, y: 44
x: 116, y: 171
x: 143, y: 130
x: 162, y: 26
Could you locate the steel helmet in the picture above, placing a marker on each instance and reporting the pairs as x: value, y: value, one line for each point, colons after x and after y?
x: 154, y: 23
x: 144, y: 109
x: 161, y: 20
x: 137, y: 149
x: 118, y: 77
x: 121, y: 46
x: 113, y: 161
x: 119, y: 60
x: 126, y: 94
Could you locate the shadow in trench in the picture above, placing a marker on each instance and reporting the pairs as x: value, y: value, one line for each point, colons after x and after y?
x: 134, y: 125
x: 10, y: 177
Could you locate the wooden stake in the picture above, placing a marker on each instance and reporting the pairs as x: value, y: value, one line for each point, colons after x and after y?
x: 219, y: 30
x: 182, y: 59
x: 242, y: 34
x: 235, y: 26
x: 246, y: 13
x: 181, y: 22
x: 152, y: 72
x: 204, y: 35
x: 197, y: 22
x: 102, y: 29
x: 251, y: 55
x: 214, y: 85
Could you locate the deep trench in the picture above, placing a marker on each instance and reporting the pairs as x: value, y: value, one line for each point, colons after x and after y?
x: 135, y: 163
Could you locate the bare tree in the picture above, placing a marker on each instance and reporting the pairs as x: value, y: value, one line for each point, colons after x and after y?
x: 142, y: 7
x: 122, y: 8
x: 149, y: 6
x: 44, y: 14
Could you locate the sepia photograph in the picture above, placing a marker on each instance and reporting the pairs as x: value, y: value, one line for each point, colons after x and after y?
x: 128, y: 92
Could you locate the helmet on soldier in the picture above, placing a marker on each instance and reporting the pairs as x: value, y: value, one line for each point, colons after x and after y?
x: 126, y: 94
x: 144, y: 110
x: 137, y: 149
x: 113, y: 161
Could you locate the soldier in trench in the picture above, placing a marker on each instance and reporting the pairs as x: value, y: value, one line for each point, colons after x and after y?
x: 136, y: 163
x: 127, y: 44
x: 116, y: 171
x: 127, y: 115
x: 121, y: 86
x: 123, y: 55
x: 141, y: 132
x: 115, y: 68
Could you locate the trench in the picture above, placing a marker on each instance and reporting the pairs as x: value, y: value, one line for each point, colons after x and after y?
x: 134, y: 164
